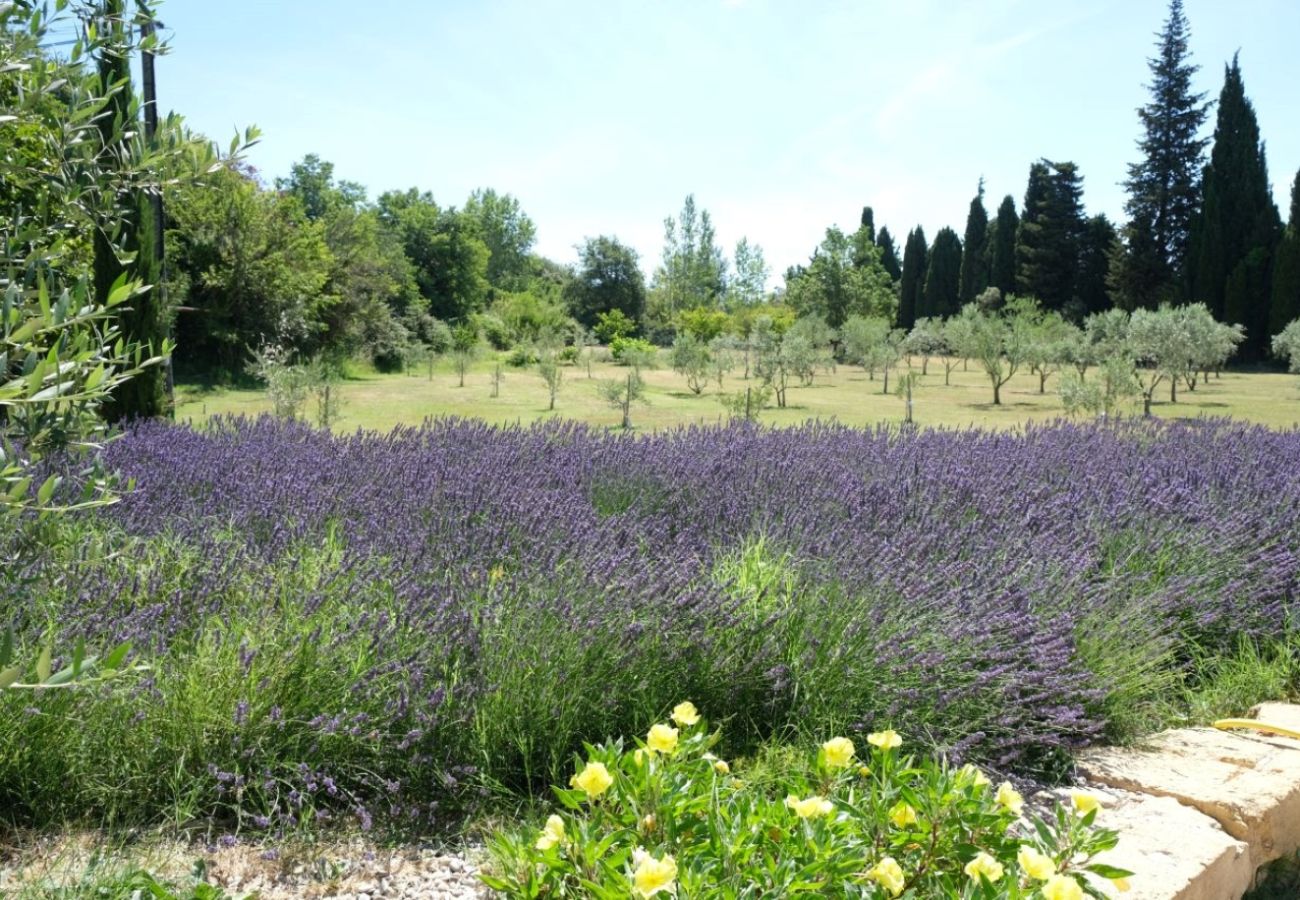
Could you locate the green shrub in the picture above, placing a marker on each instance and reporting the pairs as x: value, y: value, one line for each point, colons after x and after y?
x: 495, y: 332
x: 668, y: 814
x: 621, y: 347
x: 569, y: 355
x: 521, y: 357
x: 612, y: 325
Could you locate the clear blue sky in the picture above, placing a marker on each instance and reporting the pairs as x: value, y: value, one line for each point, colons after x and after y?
x: 781, y: 117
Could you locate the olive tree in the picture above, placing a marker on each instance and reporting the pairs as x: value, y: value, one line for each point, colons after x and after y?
x: 621, y: 393
x: 72, y: 174
x: 1113, y: 384
x: 1162, y: 346
x: 690, y: 358
x: 1001, y: 343
x: 924, y: 340
x: 1286, y: 345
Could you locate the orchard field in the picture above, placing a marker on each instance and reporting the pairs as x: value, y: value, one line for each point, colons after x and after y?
x: 847, y: 395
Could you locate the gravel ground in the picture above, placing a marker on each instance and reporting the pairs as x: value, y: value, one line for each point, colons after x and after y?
x: 356, y: 869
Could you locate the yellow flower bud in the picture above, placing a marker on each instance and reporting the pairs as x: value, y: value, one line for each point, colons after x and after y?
x: 1062, y: 887
x: 1034, y: 863
x: 838, y: 752
x: 594, y: 780
x: 1009, y: 798
x: 902, y: 815
x: 889, y: 875
x: 653, y: 875
x: 685, y: 713
x: 662, y: 739
x: 885, y: 740
x: 1084, y: 802
x: 809, y: 808
x: 552, y: 833
x: 984, y: 865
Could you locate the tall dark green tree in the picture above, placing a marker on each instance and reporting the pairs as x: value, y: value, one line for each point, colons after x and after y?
x: 942, y: 295
x: 1138, y: 276
x: 889, y: 253
x: 1050, y: 238
x: 974, y: 260
x: 1286, y: 269
x: 912, y: 278
x: 1164, y: 185
x: 145, y: 322
x: 868, y: 223
x: 1099, y: 241
x: 1239, y: 224
x: 1002, y: 247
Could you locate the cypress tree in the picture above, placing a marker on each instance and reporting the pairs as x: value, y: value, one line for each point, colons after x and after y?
x: 974, y: 260
x: 1286, y: 269
x: 1049, y: 243
x: 1002, y: 247
x: 1138, y: 277
x: 1164, y: 187
x: 1239, y: 224
x: 942, y: 295
x: 889, y: 253
x: 145, y: 394
x: 869, y: 222
x: 1099, y: 239
x: 912, y: 278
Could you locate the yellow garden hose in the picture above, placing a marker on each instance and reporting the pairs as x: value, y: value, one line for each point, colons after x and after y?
x: 1257, y: 725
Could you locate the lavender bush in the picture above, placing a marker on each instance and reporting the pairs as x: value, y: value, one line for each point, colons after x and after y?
x: 394, y: 625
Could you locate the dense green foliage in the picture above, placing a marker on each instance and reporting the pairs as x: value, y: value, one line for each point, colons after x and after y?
x: 911, y: 287
x: 1164, y: 185
x: 975, y: 250
x: 1234, y: 236
x: 1286, y: 269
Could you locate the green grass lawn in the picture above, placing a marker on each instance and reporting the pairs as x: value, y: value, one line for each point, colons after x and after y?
x: 373, y: 401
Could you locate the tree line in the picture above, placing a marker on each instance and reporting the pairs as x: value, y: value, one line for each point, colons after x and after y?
x: 314, y: 265
x: 311, y: 268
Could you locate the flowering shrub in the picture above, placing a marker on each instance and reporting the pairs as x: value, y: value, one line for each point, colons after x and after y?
x: 385, y: 626
x: 669, y: 817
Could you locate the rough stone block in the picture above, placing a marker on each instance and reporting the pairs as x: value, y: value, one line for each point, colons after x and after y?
x: 1174, y: 851
x: 1250, y: 787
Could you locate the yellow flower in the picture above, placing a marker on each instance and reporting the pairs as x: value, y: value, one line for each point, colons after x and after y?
x: 1121, y: 885
x: 864, y: 771
x: 1009, y: 798
x: 902, y: 815
x: 685, y: 713
x: 810, y: 808
x: 984, y: 865
x: 653, y: 875
x: 838, y: 752
x: 1084, y: 802
x: 662, y: 738
x: 1062, y: 887
x: 1035, y: 864
x: 638, y: 755
x: 719, y: 764
x: 973, y: 774
x: 552, y: 833
x: 885, y: 740
x: 594, y: 780
x: 889, y: 875
x: 648, y: 823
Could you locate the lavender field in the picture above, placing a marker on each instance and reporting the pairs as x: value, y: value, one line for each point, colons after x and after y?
x: 401, y: 627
